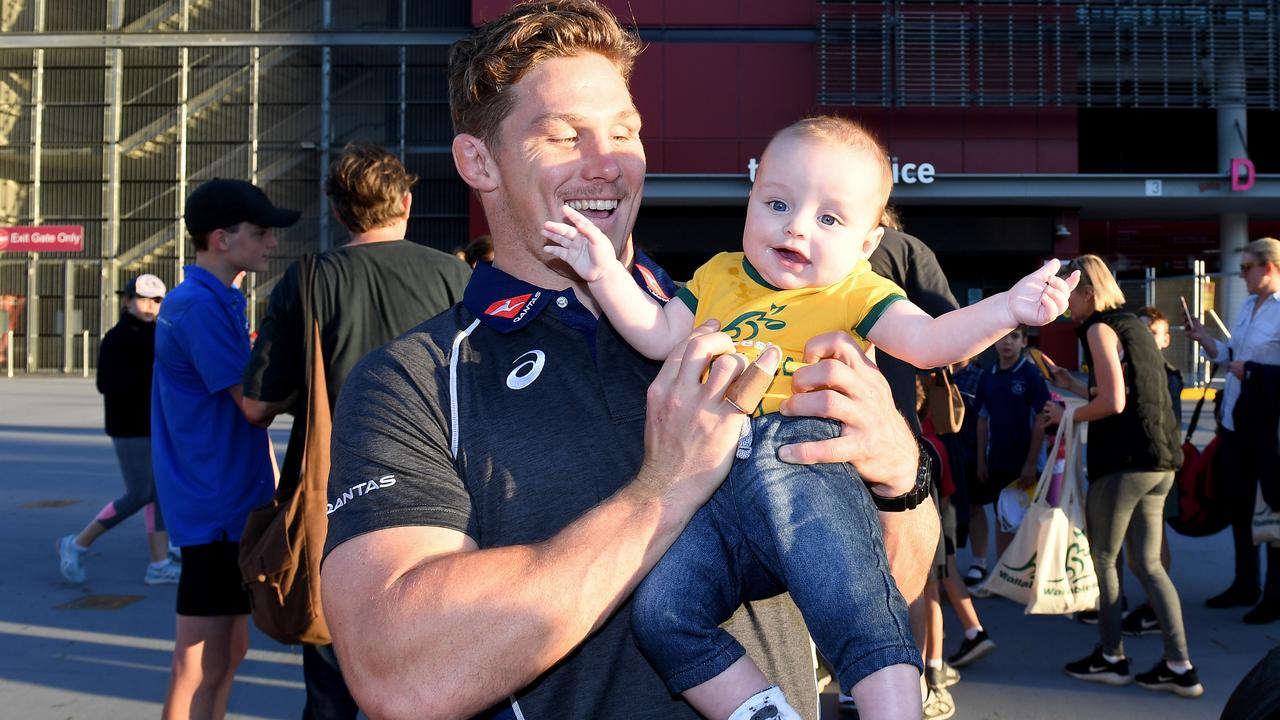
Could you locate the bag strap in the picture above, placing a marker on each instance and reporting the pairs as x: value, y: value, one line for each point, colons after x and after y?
x: 1195, y: 414
x: 1065, y: 432
x: 291, y: 471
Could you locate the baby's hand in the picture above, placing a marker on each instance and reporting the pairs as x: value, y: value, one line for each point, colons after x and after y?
x: 1041, y: 296
x: 587, y: 250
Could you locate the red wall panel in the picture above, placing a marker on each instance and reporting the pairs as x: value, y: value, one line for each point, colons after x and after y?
x: 999, y: 156
x: 701, y: 91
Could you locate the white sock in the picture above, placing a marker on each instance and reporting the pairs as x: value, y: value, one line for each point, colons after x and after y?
x: 78, y: 547
x: 980, y: 562
x: 771, y: 695
x: 159, y: 564
x: 972, y: 632
x: 1112, y: 658
x: 934, y: 664
x: 1178, y: 667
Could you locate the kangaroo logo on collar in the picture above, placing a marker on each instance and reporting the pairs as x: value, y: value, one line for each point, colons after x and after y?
x: 528, y: 368
x: 508, y: 307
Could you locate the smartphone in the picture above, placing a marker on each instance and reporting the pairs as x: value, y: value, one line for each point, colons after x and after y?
x: 1186, y: 314
x: 1038, y: 358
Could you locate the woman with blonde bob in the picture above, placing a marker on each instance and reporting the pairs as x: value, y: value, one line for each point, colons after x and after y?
x: 1132, y: 455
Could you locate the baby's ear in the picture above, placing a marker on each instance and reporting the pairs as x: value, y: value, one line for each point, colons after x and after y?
x: 872, y: 240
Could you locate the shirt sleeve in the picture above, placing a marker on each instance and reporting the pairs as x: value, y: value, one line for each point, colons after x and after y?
x: 693, y: 290
x: 926, y: 285
x: 217, y: 346
x: 276, y: 366
x: 867, y: 305
x: 391, y: 462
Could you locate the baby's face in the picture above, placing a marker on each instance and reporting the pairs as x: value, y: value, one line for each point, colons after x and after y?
x: 813, y: 213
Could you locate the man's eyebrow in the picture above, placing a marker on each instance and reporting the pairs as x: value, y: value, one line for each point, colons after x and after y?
x: 576, y: 119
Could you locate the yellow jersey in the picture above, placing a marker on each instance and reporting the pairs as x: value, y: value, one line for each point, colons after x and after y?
x: 755, y: 313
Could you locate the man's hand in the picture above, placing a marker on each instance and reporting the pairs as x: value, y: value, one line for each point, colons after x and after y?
x: 1040, y: 297
x: 1026, y: 478
x: 691, y: 430
x: 840, y: 383
x: 581, y: 244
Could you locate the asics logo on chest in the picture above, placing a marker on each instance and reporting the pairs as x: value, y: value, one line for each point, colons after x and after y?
x: 528, y: 368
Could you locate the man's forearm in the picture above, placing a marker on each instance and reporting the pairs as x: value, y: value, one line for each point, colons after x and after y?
x: 457, y: 633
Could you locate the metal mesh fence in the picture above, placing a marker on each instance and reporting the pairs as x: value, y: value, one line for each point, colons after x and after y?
x: 114, y: 139
x: 1038, y: 53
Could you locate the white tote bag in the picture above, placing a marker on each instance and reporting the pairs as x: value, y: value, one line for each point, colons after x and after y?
x: 1266, y: 522
x: 1048, y: 567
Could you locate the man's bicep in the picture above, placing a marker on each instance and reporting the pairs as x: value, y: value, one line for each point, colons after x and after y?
x: 377, y: 559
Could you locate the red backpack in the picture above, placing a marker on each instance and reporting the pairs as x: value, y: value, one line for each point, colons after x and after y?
x: 1202, y: 506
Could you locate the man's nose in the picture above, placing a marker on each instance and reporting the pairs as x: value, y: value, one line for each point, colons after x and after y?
x: 601, y: 160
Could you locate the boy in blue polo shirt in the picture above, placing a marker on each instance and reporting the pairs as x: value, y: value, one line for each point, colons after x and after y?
x: 211, y: 466
x: 1008, y: 397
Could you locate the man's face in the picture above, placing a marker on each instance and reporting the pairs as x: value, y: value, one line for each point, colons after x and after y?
x: 572, y: 138
x: 1159, y: 330
x: 813, y: 212
x: 1010, y: 346
x: 250, y: 247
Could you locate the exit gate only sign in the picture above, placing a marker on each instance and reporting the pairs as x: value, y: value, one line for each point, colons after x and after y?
x: 43, y: 238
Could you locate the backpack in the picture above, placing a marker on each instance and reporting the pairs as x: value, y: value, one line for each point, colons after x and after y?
x: 283, y: 541
x: 1200, y: 510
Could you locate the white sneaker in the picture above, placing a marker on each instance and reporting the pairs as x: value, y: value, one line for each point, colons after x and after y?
x: 166, y: 572
x: 69, y: 558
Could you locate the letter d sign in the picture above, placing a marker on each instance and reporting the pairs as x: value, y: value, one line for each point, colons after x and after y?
x: 1239, y: 184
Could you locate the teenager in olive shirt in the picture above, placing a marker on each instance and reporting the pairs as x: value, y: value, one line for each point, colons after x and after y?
x: 366, y: 293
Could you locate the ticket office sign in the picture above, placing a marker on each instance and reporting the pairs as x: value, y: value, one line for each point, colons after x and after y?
x: 42, y: 238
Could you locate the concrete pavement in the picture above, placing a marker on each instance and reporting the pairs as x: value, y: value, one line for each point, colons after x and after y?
x: 58, y: 469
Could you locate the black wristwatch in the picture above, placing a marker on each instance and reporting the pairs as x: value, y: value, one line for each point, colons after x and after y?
x: 917, y: 494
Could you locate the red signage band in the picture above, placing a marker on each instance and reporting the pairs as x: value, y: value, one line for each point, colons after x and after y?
x: 42, y: 238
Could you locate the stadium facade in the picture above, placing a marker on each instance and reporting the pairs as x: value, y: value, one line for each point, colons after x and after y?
x: 1147, y: 131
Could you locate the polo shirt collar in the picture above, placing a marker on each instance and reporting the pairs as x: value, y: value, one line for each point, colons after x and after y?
x: 215, y: 286
x: 1012, y: 368
x: 506, y: 303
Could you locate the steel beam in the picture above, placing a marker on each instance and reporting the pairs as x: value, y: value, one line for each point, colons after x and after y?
x: 384, y: 38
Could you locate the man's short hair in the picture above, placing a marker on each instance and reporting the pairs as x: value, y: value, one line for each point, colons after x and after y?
x: 366, y: 186
x: 485, y: 64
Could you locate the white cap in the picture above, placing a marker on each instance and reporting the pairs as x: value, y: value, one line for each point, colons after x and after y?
x: 146, y: 285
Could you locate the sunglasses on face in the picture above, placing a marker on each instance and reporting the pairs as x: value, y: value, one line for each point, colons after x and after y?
x: 1248, y: 265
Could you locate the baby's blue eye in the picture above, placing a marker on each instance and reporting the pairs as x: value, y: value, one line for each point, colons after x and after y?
x: 828, y: 219
x: 777, y: 206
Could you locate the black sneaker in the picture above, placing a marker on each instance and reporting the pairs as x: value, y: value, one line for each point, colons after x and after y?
x: 1234, y: 597
x: 1142, y: 621
x: 970, y: 650
x: 1088, y: 617
x: 1161, y: 677
x: 1097, y: 668
x: 975, y: 576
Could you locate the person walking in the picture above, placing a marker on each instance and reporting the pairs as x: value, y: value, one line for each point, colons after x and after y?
x: 366, y: 293
x: 1132, y: 454
x: 1255, y: 338
x: 125, y: 358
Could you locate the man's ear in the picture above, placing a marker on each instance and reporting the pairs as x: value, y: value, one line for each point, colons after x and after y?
x: 872, y: 240
x: 475, y: 164
x: 406, y: 204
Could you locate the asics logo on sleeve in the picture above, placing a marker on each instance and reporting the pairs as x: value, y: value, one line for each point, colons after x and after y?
x: 509, y: 307
x: 527, y: 370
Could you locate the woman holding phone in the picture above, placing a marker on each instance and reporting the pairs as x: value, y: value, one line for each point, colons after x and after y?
x: 1133, y: 452
x: 1255, y: 338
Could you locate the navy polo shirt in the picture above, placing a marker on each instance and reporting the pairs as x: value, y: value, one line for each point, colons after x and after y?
x: 506, y: 418
x: 1010, y: 399
x: 211, y: 466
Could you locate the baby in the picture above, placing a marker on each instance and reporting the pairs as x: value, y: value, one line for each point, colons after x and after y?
x: 814, y: 531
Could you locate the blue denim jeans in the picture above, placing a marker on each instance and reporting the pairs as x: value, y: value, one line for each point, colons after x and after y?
x: 811, y: 530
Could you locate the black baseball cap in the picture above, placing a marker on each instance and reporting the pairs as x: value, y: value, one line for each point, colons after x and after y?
x: 220, y: 203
